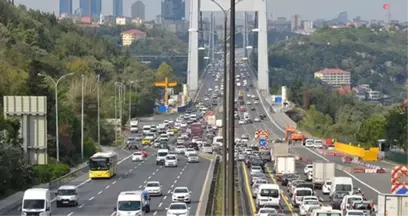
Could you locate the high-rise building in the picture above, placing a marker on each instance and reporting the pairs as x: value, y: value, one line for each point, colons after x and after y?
x: 117, y: 8
x: 91, y: 8
x: 138, y: 10
x: 173, y: 9
x: 65, y: 7
x: 296, y: 22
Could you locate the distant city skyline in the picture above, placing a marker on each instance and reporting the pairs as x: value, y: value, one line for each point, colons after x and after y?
x: 308, y: 10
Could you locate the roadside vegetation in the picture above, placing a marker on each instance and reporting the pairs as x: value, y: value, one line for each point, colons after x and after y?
x: 33, y: 43
x: 374, y: 56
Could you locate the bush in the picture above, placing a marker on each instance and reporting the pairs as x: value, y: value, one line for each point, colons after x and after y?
x: 48, y: 172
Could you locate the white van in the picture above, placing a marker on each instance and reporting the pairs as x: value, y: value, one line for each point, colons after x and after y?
x: 36, y: 200
x: 131, y: 203
x: 146, y: 129
x: 341, y: 184
x: 298, y: 195
x: 161, y: 156
x: 267, y: 194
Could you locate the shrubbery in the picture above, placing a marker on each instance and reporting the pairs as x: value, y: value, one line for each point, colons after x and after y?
x: 48, y: 172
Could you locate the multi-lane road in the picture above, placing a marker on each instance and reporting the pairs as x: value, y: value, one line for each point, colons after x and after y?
x: 370, y: 184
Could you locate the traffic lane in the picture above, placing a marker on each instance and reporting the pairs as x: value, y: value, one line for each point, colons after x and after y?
x: 89, y: 190
x: 168, y: 177
x: 371, y: 184
x: 193, y: 177
x: 103, y: 202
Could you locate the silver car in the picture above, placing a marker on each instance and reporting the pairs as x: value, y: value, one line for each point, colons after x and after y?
x: 67, y: 195
x: 192, y: 158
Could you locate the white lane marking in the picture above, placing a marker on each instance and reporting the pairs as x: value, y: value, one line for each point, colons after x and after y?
x: 130, y: 170
x: 149, y: 177
x: 135, y: 166
x: 175, y: 181
x: 168, y: 191
x: 165, y: 197
x: 113, y: 213
x: 107, y: 187
x: 127, y: 173
x: 155, y: 213
x: 81, y: 206
x: 114, y: 182
x: 178, y: 177
x: 181, y: 172
x: 120, y: 177
x: 70, y: 213
x: 154, y: 173
x: 351, y: 175
x: 140, y: 186
x: 100, y: 192
x: 144, y: 182
x: 171, y: 186
x: 160, y: 205
x: 91, y: 198
x: 200, y: 202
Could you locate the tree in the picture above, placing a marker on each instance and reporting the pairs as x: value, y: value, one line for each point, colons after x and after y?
x: 396, y: 127
x: 371, y: 130
x: 164, y: 71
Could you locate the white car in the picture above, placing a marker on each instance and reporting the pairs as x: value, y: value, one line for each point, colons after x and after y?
x: 189, y: 151
x: 241, y: 122
x: 181, y: 194
x: 318, y: 144
x: 154, y: 188
x: 256, y: 102
x: 256, y: 169
x: 309, y: 176
x: 192, y: 158
x: 137, y: 156
x: 248, y: 103
x: 180, y: 149
x: 170, y: 132
x: 266, y: 211
x: 326, y: 187
x: 256, y: 119
x: 355, y: 213
x: 308, y: 168
x: 348, y: 200
x: 178, y: 209
x: 183, y: 124
x: 171, y: 161
x: 306, y: 204
x: 309, y: 143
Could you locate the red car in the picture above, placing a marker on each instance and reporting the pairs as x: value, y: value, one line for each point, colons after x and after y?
x: 144, y: 153
x: 242, y: 109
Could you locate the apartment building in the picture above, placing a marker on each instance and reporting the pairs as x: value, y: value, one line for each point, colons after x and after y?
x: 336, y: 78
x: 129, y: 36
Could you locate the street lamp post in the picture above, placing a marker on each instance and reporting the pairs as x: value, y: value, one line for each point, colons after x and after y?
x: 130, y: 99
x: 117, y: 85
x: 56, y: 107
x: 82, y: 116
x: 99, y: 113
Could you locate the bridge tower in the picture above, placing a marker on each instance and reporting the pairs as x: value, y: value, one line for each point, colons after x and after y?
x: 240, y: 5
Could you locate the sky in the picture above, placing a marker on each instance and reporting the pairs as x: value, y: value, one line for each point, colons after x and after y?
x: 307, y: 9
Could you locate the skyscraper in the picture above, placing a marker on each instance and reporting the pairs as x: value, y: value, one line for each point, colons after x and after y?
x: 117, y: 8
x: 173, y: 9
x: 91, y: 8
x: 138, y: 10
x: 65, y: 7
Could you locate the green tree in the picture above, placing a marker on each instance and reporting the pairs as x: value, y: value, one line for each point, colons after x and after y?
x: 370, y: 131
x: 396, y: 130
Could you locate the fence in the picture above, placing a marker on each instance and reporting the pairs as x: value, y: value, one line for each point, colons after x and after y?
x: 210, y: 210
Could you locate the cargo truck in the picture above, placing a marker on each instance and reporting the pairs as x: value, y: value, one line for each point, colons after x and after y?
x: 196, y: 130
x: 284, y: 164
x: 134, y: 126
x: 392, y: 204
x: 279, y: 149
x: 322, y: 171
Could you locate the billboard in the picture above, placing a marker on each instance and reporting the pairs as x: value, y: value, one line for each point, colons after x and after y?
x: 31, y: 111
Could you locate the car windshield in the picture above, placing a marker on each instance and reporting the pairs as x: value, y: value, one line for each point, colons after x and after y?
x: 353, y: 199
x: 258, y: 175
x: 137, y: 153
x: 181, y: 190
x: 328, y: 183
x: 355, y: 213
x: 303, y: 193
x: 303, y: 185
x: 343, y: 187
x: 270, y: 193
x: 162, y: 154
x: 129, y: 205
x: 328, y: 214
x: 152, y: 184
x: 265, y: 211
x: 178, y: 206
x: 66, y: 192
x: 131, y: 139
x: 33, y: 204
x: 312, y: 202
x: 192, y: 154
x: 256, y: 168
x: 362, y: 206
x: 171, y: 158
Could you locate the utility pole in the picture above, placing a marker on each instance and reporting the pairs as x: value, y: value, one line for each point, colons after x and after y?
x: 99, y: 113
x: 82, y: 116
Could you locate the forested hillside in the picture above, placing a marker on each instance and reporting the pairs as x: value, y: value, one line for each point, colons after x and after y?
x: 31, y: 43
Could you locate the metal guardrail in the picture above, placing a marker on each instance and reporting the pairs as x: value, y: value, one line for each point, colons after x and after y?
x: 14, y: 201
x: 210, y: 210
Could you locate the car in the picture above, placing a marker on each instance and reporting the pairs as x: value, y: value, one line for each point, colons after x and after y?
x: 318, y: 144
x: 326, y: 187
x: 257, y: 176
x: 181, y: 194
x: 67, y: 195
x: 292, y: 185
x: 289, y: 177
x: 180, y: 149
x: 309, y: 143
x: 309, y: 176
x: 192, y: 158
x: 144, y: 153
x: 154, y: 188
x: 256, y: 102
x: 178, y: 209
x: 171, y: 161
x: 256, y: 169
x: 253, y: 109
x: 308, y: 168
x: 137, y: 156
x: 241, y: 122
x: 242, y: 109
x: 241, y: 156
x: 266, y: 211
x: 337, y: 198
x: 248, y: 103
x: 348, y: 200
x: 306, y: 204
x: 189, y: 151
x: 256, y: 119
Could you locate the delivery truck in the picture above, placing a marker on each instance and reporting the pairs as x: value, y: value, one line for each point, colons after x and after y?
x: 284, y: 164
x: 392, y: 204
x: 322, y: 171
x: 279, y: 149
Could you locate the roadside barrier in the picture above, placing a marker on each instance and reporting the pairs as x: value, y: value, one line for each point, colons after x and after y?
x: 354, y: 170
x: 334, y: 154
x: 210, y: 210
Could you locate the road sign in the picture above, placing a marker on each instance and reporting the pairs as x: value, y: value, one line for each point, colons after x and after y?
x: 399, y: 180
x: 261, y: 134
x: 262, y: 142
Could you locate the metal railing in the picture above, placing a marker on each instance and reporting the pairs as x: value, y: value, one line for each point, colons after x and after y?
x: 211, y: 204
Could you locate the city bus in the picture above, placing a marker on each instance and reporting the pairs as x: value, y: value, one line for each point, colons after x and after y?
x: 103, y: 165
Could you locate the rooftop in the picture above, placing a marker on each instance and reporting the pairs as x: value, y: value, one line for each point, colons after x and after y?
x: 134, y: 32
x: 332, y: 71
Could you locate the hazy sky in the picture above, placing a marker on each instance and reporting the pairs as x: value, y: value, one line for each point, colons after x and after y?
x: 307, y: 9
